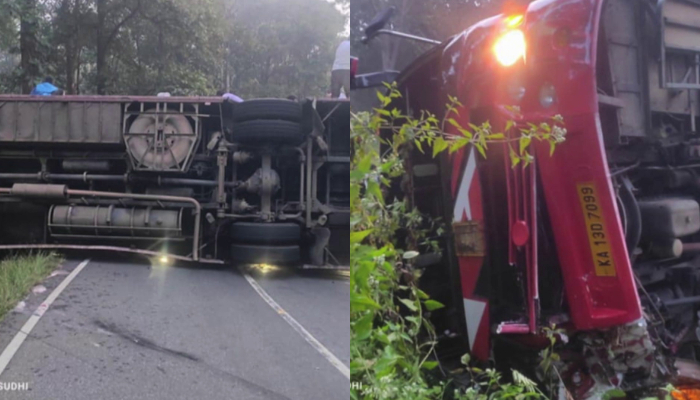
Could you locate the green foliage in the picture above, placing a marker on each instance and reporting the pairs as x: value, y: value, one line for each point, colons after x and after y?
x: 548, y: 356
x: 489, y: 385
x: 392, y: 342
x: 255, y: 48
x: 20, y: 272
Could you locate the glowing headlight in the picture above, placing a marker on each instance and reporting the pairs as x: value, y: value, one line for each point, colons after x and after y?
x: 510, y: 47
x: 514, y: 21
x: 548, y: 95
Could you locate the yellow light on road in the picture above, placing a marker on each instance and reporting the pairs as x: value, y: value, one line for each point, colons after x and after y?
x: 164, y: 259
x: 265, y: 268
x: 510, y: 47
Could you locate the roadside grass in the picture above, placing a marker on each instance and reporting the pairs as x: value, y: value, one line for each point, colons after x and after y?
x: 19, y: 273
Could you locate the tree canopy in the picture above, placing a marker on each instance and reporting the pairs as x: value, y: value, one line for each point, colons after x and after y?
x: 435, y: 19
x: 254, y: 48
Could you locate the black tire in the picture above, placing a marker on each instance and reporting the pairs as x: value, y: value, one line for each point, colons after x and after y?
x: 275, y: 255
x: 261, y: 233
x: 249, y: 110
x: 267, y: 132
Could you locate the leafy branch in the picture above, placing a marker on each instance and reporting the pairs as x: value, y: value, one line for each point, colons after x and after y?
x: 393, y: 342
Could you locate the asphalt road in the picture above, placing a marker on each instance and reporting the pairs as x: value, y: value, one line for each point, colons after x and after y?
x: 128, y: 330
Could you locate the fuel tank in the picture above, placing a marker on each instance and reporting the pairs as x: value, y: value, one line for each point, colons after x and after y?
x: 114, y: 222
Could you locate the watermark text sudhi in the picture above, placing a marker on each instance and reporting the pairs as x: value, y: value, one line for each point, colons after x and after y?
x: 358, y: 387
x: 13, y: 386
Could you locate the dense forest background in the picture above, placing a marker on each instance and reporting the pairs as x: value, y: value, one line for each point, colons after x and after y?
x: 253, y: 48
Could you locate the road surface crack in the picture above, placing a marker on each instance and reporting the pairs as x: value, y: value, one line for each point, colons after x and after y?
x: 140, y: 341
x: 143, y: 342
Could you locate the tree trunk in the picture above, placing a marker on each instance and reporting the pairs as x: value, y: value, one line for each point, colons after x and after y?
x: 105, y: 37
x: 101, y: 57
x: 70, y: 66
x: 77, y: 72
x: 73, y: 50
x: 28, y: 43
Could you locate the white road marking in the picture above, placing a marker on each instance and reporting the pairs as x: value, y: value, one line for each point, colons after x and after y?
x: 19, y: 338
x: 297, y: 327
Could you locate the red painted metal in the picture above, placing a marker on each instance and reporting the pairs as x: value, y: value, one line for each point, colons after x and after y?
x: 520, y: 233
x: 598, y: 296
x: 522, y: 218
x: 595, y: 300
x: 530, y: 211
x: 512, y: 328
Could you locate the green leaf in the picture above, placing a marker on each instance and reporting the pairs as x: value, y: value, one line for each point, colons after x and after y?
x: 458, y: 144
x: 552, y: 146
x: 361, y: 302
x: 509, y: 124
x: 363, y: 326
x: 514, y: 159
x: 495, y: 136
x: 481, y: 149
x: 466, y: 358
x: 385, y: 365
x: 359, y: 236
x: 454, y: 123
x: 433, y: 305
x: 362, y: 272
x: 374, y: 190
x: 365, y: 164
x: 354, y: 193
x: 614, y: 394
x: 439, y: 145
x: 524, y: 143
x: 381, y: 336
x: 384, y: 112
x: 420, y: 147
x: 430, y: 365
x: 466, y: 134
x: 421, y: 294
x: 410, y: 304
x: 380, y: 96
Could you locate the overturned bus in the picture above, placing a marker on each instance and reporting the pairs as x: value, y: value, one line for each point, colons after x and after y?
x: 188, y: 178
x: 601, y: 239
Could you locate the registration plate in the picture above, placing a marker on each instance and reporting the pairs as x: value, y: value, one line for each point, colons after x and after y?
x: 597, y: 230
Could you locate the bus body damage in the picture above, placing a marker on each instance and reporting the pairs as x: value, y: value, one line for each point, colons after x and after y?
x: 600, y: 238
x: 192, y: 178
